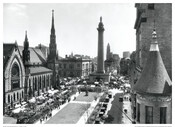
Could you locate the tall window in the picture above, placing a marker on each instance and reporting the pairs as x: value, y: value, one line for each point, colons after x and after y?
x: 15, y: 81
x: 138, y: 112
x: 163, y: 115
x: 151, y: 6
x: 60, y: 65
x: 149, y: 114
x: 64, y: 66
x: 17, y: 96
x: 8, y: 98
x: 78, y: 65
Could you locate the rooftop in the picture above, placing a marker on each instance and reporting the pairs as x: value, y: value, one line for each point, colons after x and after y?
x: 154, y: 78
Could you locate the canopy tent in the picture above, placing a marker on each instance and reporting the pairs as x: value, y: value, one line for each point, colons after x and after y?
x: 96, y: 83
x: 92, y: 86
x: 127, y: 85
x: 115, y: 82
x: 84, y: 82
x: 106, y: 83
x: 40, y: 98
x: 33, y: 100
x: 18, y: 110
x: 17, y: 105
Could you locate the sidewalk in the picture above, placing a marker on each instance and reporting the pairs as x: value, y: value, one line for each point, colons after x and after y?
x: 127, y: 105
x: 87, y: 113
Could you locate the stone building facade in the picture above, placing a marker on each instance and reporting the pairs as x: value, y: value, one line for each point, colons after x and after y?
x: 23, y: 79
x: 75, y: 67
x: 52, y: 59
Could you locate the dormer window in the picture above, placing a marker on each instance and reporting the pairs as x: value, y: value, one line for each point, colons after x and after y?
x: 151, y: 6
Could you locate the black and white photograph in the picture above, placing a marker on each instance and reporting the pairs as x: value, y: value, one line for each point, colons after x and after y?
x: 86, y: 63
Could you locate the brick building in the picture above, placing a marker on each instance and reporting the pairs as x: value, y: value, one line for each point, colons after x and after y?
x: 73, y: 66
x: 146, y: 15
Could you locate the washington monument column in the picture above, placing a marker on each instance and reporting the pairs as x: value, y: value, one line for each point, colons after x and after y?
x: 100, y: 73
x: 100, y: 60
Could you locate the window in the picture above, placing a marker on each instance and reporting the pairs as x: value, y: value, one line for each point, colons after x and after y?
x: 138, y: 112
x: 71, y: 66
x: 17, y: 96
x: 163, y: 115
x: 151, y: 6
x: 8, y: 98
x: 22, y: 94
x: 60, y: 65
x: 44, y: 81
x: 149, y: 114
x: 14, y: 97
x: 15, y: 81
x: 64, y: 74
x: 35, y: 83
x: 78, y: 65
x: 64, y: 66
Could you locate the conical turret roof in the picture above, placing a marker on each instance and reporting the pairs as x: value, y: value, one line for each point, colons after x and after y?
x: 154, y: 78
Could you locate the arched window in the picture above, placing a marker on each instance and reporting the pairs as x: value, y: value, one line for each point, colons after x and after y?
x: 14, y: 96
x: 17, y: 96
x: 15, y: 80
x: 36, y: 84
x: 40, y: 83
x: 44, y: 82
x: 8, y: 98
x: 22, y: 94
x: 33, y: 83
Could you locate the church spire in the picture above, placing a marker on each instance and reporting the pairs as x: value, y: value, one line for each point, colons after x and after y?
x: 26, y: 52
x: 26, y: 42
x: 53, y: 28
x: 52, y: 45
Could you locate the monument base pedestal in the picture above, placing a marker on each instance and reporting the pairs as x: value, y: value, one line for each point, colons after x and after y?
x: 98, y: 76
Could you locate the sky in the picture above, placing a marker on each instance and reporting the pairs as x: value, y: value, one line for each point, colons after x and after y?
x: 75, y: 24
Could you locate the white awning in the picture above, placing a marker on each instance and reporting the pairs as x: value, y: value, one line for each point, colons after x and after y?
x: 17, y: 105
x: 96, y: 83
x: 33, y: 100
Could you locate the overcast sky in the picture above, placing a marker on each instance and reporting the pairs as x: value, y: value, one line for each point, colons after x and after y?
x: 75, y: 24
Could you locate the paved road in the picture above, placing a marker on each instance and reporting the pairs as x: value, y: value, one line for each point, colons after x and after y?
x: 115, y: 113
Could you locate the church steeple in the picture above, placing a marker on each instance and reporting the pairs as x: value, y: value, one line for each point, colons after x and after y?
x: 52, y: 27
x: 52, y: 45
x: 26, y: 52
x: 26, y: 43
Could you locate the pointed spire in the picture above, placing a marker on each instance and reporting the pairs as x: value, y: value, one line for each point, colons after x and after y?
x: 26, y: 43
x: 53, y: 28
x: 26, y: 39
x: 154, y: 78
x: 154, y: 43
x: 100, y: 18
